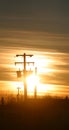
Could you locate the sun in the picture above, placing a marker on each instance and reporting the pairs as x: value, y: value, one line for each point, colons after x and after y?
x: 32, y: 82
x: 34, y: 73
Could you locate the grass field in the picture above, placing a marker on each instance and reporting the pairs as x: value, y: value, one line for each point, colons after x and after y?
x: 35, y: 114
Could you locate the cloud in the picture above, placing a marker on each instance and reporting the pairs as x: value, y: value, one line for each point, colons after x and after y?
x: 34, y: 39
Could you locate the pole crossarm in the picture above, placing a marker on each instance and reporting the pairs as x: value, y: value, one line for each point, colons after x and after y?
x: 23, y: 55
x: 23, y: 63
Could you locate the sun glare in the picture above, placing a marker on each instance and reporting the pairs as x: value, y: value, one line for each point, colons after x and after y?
x: 43, y: 65
x: 32, y: 82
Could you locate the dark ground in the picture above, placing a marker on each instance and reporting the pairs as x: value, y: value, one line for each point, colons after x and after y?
x: 40, y: 114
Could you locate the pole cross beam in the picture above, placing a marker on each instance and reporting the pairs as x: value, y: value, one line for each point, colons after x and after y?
x: 24, y: 55
x: 23, y: 63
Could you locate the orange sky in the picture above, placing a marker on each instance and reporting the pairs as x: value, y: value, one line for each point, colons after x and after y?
x: 40, y: 28
x: 52, y: 70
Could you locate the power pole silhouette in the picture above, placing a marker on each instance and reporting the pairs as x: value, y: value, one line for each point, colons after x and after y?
x: 25, y: 74
x: 35, y: 90
x: 18, y: 88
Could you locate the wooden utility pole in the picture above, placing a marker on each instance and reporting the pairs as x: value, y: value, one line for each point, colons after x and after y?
x: 18, y: 88
x: 35, y: 90
x: 25, y: 85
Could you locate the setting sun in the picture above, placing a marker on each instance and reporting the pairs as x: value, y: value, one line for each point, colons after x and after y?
x: 32, y: 82
x: 42, y: 65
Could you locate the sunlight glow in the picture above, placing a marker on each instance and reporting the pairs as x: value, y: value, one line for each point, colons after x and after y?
x: 32, y: 81
x: 44, y: 66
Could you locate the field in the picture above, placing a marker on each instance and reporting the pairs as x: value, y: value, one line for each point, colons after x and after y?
x: 35, y: 114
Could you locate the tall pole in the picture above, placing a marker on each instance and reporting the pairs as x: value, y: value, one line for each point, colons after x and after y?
x: 25, y: 85
x: 35, y: 90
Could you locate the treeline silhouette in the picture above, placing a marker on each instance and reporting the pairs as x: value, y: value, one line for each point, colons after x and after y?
x: 48, y: 113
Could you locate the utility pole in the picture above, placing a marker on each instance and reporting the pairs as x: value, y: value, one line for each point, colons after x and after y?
x: 18, y: 92
x: 25, y: 85
x: 35, y: 90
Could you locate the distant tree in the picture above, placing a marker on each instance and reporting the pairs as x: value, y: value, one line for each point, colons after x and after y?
x: 2, y: 101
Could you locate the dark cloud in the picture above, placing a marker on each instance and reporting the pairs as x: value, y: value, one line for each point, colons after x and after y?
x: 43, y: 15
x: 37, y: 40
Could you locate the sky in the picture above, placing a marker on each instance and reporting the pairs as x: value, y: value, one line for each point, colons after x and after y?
x: 42, y: 28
